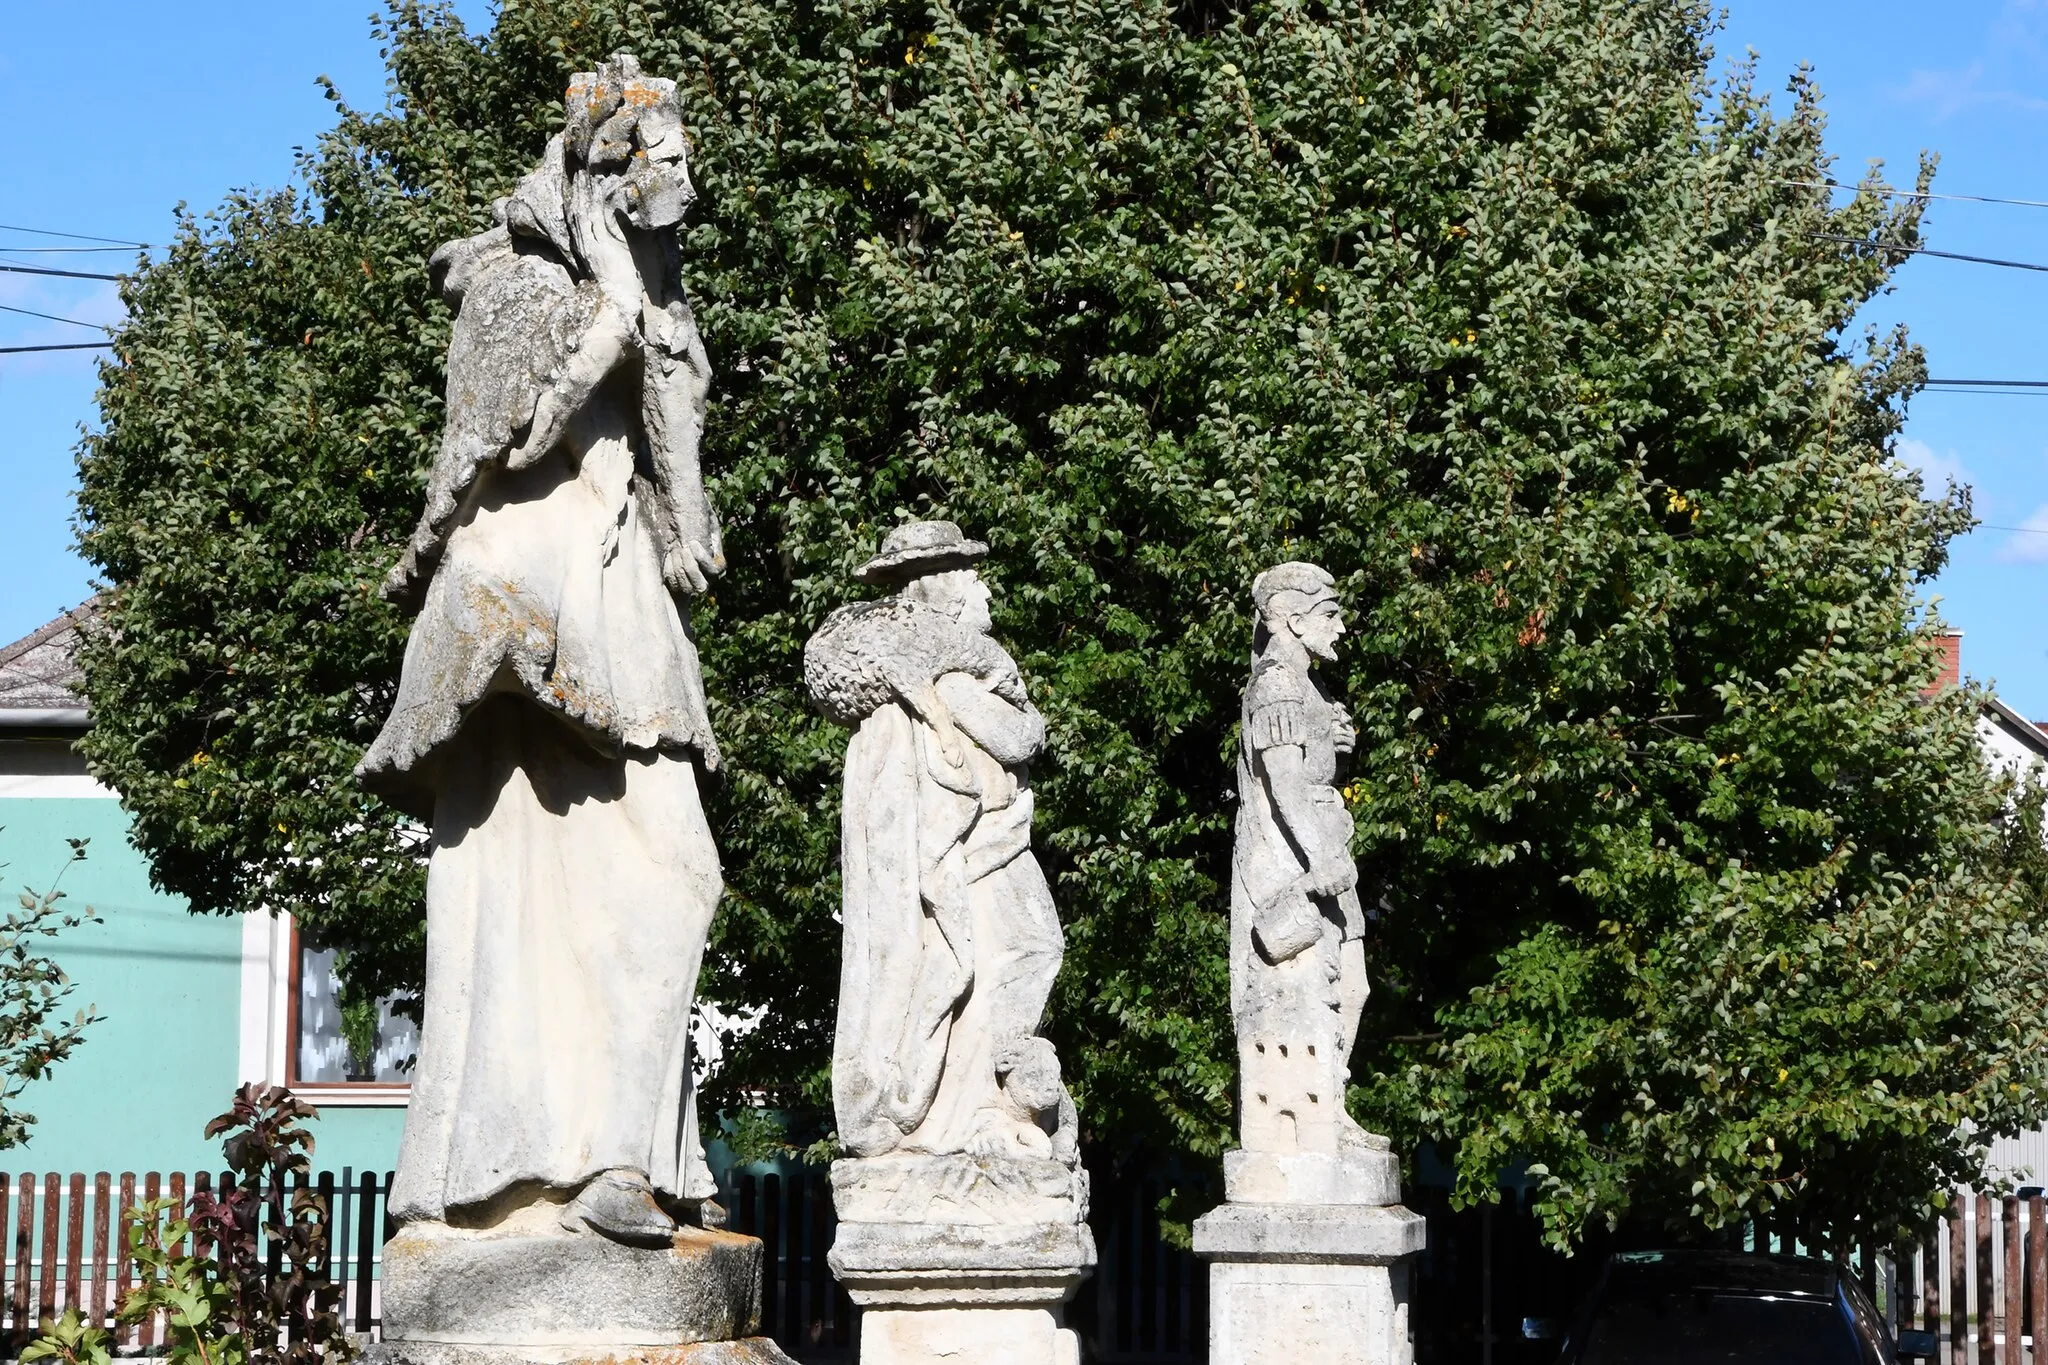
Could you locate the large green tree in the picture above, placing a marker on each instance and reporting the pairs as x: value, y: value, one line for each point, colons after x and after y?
x: 1509, y: 312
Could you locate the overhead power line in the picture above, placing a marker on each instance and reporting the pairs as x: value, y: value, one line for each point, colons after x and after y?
x: 52, y: 317
x: 59, y: 346
x: 62, y: 250
x: 45, y: 270
x: 74, y: 236
x: 1993, y: 388
x: 1924, y: 251
x: 1895, y: 192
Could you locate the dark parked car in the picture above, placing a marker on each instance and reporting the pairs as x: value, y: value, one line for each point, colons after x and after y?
x: 1724, y: 1307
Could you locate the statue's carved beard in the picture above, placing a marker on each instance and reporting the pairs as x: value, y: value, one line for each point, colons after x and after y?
x: 648, y: 198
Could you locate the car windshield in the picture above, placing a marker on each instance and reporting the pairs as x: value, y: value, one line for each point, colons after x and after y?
x: 1703, y: 1327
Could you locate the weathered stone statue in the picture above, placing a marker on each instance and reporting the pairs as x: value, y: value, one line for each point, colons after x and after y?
x: 961, y: 1208
x: 1307, y: 1254
x: 1297, y: 961
x: 550, y: 724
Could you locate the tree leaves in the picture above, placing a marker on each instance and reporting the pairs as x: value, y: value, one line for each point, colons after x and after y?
x: 1508, y: 315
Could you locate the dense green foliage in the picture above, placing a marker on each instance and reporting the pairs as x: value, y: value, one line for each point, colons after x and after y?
x: 35, y: 1032
x: 1500, y: 309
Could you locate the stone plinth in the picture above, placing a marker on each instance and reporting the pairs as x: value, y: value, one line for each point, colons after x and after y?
x: 1309, y: 1283
x: 528, y: 1293
x: 1355, y: 1177
x: 959, y: 1257
x: 750, y: 1351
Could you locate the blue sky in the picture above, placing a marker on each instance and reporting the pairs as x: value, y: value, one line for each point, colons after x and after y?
x: 120, y: 109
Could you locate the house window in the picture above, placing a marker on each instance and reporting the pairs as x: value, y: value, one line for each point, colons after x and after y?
x: 326, y: 1048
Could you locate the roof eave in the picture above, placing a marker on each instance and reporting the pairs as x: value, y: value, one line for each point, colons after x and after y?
x: 71, y: 719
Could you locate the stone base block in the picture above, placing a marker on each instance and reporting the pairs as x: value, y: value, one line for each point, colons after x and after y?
x: 983, y: 1336
x: 1308, y: 1313
x: 918, y: 1264
x: 750, y: 1351
x: 960, y: 1259
x: 529, y: 1291
x: 1309, y: 1233
x: 958, y: 1189
x: 1355, y: 1177
x: 948, y: 1294
x: 1307, y: 1284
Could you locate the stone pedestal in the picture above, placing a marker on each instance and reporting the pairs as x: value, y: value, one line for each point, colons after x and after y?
x: 526, y: 1292
x: 962, y: 1258
x: 1295, y: 1282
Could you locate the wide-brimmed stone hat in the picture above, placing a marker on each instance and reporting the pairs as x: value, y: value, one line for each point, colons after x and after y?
x: 917, y: 548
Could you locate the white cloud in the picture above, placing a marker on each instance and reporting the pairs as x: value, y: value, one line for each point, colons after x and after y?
x: 2029, y: 544
x: 1954, y: 92
x: 1938, y: 468
x: 2022, y: 26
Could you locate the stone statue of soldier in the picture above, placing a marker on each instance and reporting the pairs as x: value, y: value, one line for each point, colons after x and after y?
x: 1308, y: 1256
x: 1297, y: 959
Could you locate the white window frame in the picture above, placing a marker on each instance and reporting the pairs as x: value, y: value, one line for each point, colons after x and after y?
x: 269, y: 999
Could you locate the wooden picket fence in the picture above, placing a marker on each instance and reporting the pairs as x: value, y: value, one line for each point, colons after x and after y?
x: 66, y: 1234
x: 1979, y: 1280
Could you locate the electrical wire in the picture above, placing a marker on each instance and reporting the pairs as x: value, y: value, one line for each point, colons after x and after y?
x: 59, y: 346
x: 45, y: 270
x: 52, y: 317
x: 55, y: 250
x: 74, y: 236
x: 1916, y: 194
x: 1924, y: 251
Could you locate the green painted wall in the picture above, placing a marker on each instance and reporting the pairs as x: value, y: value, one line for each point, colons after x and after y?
x: 137, y: 1094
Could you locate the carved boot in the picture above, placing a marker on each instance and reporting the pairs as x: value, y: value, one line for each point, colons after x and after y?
x: 620, y: 1205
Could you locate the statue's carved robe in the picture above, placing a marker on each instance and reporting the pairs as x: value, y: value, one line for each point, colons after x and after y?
x: 920, y: 1014
x: 549, y: 720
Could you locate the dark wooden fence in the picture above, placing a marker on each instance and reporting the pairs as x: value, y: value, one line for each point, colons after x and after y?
x: 65, y: 1234
x: 1980, y: 1280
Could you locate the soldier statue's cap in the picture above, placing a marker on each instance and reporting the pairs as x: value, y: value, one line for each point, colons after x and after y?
x: 917, y: 548
x: 1311, y: 580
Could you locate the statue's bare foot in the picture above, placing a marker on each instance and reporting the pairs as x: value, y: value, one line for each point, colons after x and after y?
x: 621, y: 1206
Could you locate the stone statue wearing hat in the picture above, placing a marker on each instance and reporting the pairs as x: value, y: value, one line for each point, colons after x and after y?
x: 1297, y: 960
x: 951, y: 938
x: 962, y: 1202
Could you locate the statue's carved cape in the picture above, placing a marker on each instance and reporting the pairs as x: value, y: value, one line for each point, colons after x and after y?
x: 566, y: 605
